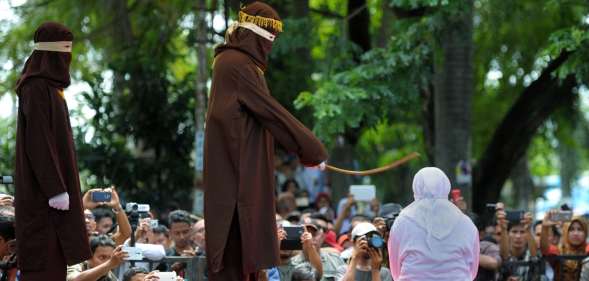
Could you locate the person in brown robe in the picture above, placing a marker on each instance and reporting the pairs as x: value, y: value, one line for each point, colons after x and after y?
x: 50, y: 226
x: 243, y: 121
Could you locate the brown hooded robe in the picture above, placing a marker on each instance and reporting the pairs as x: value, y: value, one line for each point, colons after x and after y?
x: 243, y: 120
x: 47, y: 238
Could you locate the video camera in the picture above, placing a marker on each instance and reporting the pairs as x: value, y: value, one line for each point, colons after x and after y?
x: 6, y: 180
x: 135, y: 212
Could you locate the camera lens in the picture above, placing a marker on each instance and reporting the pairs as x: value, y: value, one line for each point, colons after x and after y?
x: 376, y: 241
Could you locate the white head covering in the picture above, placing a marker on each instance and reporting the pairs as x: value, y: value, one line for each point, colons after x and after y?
x: 431, y: 209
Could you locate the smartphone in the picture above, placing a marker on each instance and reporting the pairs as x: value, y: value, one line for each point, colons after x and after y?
x: 455, y: 194
x: 562, y: 216
x: 153, y: 223
x: 101, y: 196
x: 514, y: 216
x: 293, y: 238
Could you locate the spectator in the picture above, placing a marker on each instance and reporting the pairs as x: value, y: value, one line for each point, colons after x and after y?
x: 330, y: 238
x: 323, y: 205
x: 310, y: 255
x: 105, y: 220
x: 432, y: 239
x: 8, y: 262
x: 305, y: 272
x: 141, y: 274
x: 105, y: 257
x: 285, y: 204
x: 90, y: 223
x: 291, y: 186
x: 135, y: 274
x: 517, y: 244
x: 549, y: 271
x: 158, y: 235
x: 366, y: 262
x: 180, y: 233
x: 490, y: 257
x: 574, y: 238
x: 330, y: 261
x: 104, y: 216
x: 198, y: 237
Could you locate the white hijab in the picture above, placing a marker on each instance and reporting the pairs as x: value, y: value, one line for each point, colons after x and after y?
x: 431, y: 209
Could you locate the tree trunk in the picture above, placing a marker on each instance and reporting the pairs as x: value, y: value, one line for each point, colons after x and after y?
x: 359, y: 24
x: 523, y: 185
x: 453, y: 95
x: 513, y: 136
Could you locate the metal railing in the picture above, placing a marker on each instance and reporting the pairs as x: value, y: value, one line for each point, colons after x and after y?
x: 536, y: 265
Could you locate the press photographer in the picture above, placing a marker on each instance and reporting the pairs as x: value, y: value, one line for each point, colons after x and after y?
x: 366, y: 260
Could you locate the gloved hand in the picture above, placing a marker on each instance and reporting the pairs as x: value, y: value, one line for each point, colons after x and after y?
x: 321, y: 166
x: 60, y: 201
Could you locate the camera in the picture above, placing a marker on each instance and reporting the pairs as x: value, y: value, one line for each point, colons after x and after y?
x: 562, y: 216
x: 374, y: 240
x: 140, y: 208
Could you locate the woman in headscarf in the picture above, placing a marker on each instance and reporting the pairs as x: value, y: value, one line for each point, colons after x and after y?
x: 573, y: 243
x: 432, y: 239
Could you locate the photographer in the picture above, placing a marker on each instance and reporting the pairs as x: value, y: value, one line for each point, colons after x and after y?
x: 105, y: 257
x: 517, y: 244
x: 124, y: 229
x: 573, y: 243
x: 309, y: 255
x: 366, y: 260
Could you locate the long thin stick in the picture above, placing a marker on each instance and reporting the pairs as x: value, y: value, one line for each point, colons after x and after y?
x: 390, y: 166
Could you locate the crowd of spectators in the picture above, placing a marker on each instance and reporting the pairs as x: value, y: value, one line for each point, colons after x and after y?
x: 343, y: 240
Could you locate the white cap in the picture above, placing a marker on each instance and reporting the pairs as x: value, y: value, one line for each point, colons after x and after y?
x: 361, y: 229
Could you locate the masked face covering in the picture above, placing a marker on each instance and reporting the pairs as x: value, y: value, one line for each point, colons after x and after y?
x: 254, y: 33
x: 51, y: 56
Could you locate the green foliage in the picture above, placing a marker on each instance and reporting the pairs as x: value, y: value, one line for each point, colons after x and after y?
x: 380, y: 87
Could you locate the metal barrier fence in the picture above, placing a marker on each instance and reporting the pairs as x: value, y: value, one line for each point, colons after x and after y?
x: 195, y: 270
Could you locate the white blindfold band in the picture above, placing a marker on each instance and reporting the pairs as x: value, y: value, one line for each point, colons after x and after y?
x: 59, y: 46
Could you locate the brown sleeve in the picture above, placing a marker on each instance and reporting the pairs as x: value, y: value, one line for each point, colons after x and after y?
x: 284, y: 127
x: 40, y: 142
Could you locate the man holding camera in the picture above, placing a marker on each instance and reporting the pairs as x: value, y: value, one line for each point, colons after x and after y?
x: 365, y: 263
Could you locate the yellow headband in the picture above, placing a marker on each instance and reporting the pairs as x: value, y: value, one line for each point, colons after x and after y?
x: 261, y: 21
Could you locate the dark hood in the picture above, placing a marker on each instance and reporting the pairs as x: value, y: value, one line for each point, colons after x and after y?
x: 255, y: 46
x: 52, y: 66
